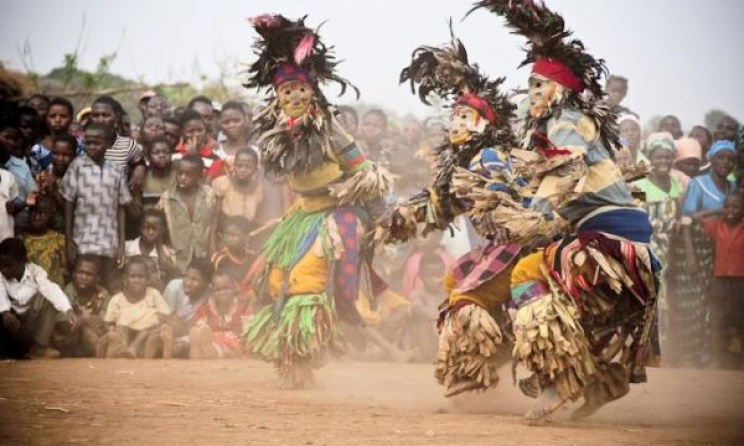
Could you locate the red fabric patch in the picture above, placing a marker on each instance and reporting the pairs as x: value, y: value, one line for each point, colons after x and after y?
x: 478, y: 103
x: 557, y: 71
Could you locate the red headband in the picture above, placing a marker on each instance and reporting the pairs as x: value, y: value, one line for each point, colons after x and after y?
x: 478, y: 103
x: 289, y: 72
x: 556, y: 71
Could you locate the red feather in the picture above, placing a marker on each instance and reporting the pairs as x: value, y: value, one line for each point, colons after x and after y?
x: 303, y: 48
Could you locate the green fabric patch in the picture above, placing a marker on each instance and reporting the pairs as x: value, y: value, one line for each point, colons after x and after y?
x: 282, y: 246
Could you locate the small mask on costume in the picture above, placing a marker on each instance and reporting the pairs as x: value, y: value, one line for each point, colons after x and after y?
x: 295, y: 97
x: 542, y: 92
x: 464, y: 121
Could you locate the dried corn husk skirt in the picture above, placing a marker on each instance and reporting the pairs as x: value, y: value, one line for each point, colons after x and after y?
x: 470, y: 347
x: 549, y: 340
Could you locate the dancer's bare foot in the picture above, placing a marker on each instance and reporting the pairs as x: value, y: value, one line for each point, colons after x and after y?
x: 594, y: 399
x: 548, y: 402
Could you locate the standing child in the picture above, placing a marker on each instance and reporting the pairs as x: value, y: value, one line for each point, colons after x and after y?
x: 196, y: 139
x: 95, y: 195
x: 58, y: 121
x: 727, y: 300
x: 235, y: 125
x: 152, y: 128
x: 45, y: 246
x: 172, y: 130
x: 50, y: 181
x: 124, y: 153
x: 89, y: 300
x: 189, y: 207
x: 136, y: 316
x: 219, y: 322
x: 161, y: 175
x: 154, y: 242
x: 10, y: 143
x: 241, y: 193
x: 26, y: 300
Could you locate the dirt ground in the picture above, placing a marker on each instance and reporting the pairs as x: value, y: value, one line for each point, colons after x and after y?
x: 178, y: 402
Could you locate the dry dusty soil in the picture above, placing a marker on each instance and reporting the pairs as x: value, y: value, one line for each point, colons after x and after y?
x: 178, y: 402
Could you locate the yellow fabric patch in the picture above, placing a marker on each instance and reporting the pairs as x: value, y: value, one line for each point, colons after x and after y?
x: 528, y: 269
x: 599, y: 176
x: 586, y: 128
x: 309, y: 276
x: 489, y: 295
x: 315, y: 179
x: 312, y: 205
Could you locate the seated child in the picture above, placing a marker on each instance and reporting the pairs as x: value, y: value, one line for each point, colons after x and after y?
x: 137, y: 317
x: 725, y: 292
x: 46, y: 247
x: 185, y: 297
x: 89, y: 299
x: 26, y: 300
x: 154, y: 242
x: 234, y: 258
x: 219, y: 322
x: 154, y: 280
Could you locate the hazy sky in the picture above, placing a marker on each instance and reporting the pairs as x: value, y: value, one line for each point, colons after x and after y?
x: 679, y: 55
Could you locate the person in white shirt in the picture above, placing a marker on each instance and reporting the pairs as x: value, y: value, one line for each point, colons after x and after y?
x: 28, y: 300
x: 8, y: 195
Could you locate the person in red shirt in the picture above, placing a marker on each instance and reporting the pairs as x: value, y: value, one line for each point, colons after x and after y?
x: 196, y: 139
x: 726, y: 291
x: 219, y: 322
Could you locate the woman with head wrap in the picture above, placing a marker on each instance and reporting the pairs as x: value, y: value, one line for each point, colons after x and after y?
x: 662, y: 193
x: 688, y: 160
x: 691, y: 261
x: 661, y: 189
x: 629, y: 126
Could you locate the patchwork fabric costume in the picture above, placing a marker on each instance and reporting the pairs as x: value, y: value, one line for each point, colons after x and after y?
x: 312, y: 262
x: 584, y: 306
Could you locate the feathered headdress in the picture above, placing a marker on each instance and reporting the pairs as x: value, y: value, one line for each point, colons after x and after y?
x: 559, y: 57
x: 289, y: 50
x: 447, y: 72
x: 550, y: 47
